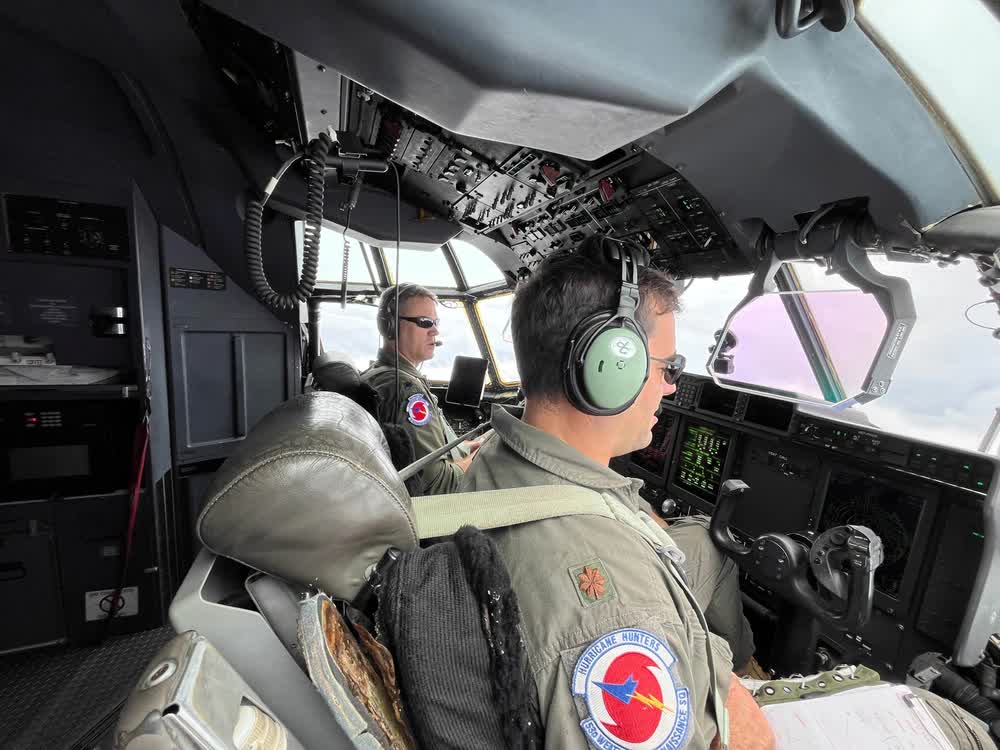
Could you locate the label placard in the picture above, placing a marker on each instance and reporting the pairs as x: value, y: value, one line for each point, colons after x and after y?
x: 54, y: 311
x: 192, y: 278
x: 97, y: 604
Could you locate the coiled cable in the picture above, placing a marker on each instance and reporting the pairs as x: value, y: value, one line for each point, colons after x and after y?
x: 315, y: 156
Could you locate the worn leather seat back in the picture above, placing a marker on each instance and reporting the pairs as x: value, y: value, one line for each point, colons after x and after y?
x: 311, y: 496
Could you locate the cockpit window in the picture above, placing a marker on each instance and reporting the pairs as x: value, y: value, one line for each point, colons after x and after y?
x: 428, y: 268
x: 476, y: 266
x: 950, y: 51
x: 944, y: 388
x: 704, y: 307
x: 331, y: 257
x: 350, y: 331
x: 457, y: 339
x: 494, y: 314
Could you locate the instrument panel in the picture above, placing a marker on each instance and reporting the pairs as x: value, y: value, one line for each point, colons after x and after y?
x: 808, y: 473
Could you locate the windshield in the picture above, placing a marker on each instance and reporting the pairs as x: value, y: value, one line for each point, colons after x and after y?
x: 331, y: 257
x: 944, y: 388
x: 951, y: 53
x: 427, y: 268
x: 457, y: 339
x: 352, y: 332
x: 478, y: 269
x: 494, y: 313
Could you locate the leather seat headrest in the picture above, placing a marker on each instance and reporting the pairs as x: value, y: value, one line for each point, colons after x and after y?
x: 310, y: 496
x: 335, y: 372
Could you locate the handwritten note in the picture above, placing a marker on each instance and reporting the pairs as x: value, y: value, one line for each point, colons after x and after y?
x: 881, y: 717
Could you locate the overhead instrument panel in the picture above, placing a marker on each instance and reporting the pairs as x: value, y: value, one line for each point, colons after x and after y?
x: 538, y: 202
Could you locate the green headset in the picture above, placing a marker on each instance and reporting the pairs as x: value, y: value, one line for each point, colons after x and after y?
x: 607, y: 356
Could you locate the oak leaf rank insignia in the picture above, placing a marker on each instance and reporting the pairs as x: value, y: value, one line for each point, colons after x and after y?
x: 592, y: 582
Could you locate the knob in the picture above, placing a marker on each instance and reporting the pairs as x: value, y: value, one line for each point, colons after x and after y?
x: 669, y: 507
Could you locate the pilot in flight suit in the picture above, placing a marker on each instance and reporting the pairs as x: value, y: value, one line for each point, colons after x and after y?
x: 416, y: 408
x: 619, y: 654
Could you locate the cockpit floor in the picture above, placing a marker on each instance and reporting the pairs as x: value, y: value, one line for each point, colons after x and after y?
x: 67, y: 698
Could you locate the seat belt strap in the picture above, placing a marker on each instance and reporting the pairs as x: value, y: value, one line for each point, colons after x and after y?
x: 443, y: 515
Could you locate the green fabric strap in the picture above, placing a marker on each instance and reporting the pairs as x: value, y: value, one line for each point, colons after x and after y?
x: 443, y: 515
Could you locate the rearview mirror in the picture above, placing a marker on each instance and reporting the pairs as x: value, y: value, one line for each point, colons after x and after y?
x: 836, y: 345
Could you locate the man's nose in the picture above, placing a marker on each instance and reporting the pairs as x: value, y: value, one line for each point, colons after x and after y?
x: 668, y: 388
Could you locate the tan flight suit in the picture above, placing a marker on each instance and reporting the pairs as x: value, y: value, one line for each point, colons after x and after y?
x: 525, y: 457
x: 561, y: 617
x: 418, y: 412
x: 582, y: 579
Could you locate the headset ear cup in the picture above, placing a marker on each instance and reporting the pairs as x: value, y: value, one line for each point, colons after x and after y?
x: 607, y: 365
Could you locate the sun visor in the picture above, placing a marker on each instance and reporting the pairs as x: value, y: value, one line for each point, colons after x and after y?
x: 830, y: 338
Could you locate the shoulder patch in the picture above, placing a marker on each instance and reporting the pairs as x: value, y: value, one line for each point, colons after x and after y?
x: 633, y: 701
x: 592, y: 582
x: 418, y: 411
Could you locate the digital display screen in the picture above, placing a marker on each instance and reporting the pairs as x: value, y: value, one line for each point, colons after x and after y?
x: 654, y: 457
x: 890, y: 512
x: 702, y: 460
x: 49, y: 462
x: 468, y: 378
x: 769, y: 412
x: 718, y: 400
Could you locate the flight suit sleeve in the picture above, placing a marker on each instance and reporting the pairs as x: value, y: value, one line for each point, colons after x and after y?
x: 418, y: 413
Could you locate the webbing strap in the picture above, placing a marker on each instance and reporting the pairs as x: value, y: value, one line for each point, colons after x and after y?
x: 443, y: 515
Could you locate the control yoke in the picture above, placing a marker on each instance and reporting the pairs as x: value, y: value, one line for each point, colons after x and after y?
x: 843, y: 561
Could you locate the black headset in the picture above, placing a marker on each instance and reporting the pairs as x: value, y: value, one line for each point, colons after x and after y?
x: 607, y: 356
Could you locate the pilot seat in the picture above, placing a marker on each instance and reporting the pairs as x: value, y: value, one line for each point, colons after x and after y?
x: 277, y: 619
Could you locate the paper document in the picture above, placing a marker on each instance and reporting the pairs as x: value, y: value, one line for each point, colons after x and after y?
x: 880, y: 717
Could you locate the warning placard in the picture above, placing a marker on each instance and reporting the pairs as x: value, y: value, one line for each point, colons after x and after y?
x: 55, y: 311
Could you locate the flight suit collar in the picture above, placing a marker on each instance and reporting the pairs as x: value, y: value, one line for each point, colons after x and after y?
x: 548, y: 452
x: 387, y: 358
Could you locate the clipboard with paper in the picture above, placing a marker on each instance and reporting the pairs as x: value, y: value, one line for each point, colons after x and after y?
x: 880, y: 717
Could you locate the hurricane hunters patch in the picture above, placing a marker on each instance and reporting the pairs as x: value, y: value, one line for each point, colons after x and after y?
x: 633, y: 701
x: 418, y: 411
x: 592, y: 582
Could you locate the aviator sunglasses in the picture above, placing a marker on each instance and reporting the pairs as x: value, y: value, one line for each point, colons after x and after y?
x: 421, y: 321
x: 674, y: 367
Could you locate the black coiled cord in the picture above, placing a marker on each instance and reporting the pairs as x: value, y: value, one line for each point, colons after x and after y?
x: 315, y: 155
x: 960, y: 691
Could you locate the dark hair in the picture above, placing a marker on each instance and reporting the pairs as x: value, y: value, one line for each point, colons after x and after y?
x: 387, y: 305
x: 563, y: 290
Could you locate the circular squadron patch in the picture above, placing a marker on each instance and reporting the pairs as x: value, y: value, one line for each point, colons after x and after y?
x: 633, y: 701
x: 418, y: 411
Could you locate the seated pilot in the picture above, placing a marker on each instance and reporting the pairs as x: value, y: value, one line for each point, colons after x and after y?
x: 613, y: 639
x: 414, y: 407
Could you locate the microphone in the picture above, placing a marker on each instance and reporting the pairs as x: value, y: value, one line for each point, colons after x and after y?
x: 438, y: 343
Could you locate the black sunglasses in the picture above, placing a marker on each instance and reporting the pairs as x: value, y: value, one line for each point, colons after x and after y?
x: 674, y: 367
x: 421, y: 321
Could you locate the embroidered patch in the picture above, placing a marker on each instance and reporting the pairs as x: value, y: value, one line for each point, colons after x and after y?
x: 418, y: 411
x: 633, y: 701
x: 592, y: 582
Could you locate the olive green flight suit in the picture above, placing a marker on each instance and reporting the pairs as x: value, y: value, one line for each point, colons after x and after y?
x: 581, y: 578
x: 526, y: 457
x: 418, y: 412
x: 589, y: 585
